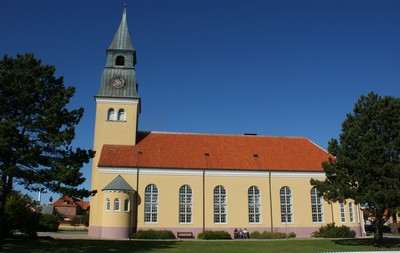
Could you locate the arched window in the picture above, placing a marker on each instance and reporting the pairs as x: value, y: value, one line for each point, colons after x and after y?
x: 151, y: 203
x: 342, y: 213
x: 219, y: 204
x: 108, y: 205
x: 126, y: 205
x: 254, y: 199
x: 286, y: 204
x: 116, y: 204
x: 351, y: 212
x: 121, y: 115
x: 185, y: 204
x: 316, y: 206
x: 120, y: 60
x: 110, y: 114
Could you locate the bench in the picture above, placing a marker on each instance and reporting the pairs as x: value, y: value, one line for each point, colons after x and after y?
x: 184, y: 234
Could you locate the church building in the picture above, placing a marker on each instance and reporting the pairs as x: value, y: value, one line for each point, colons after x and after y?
x: 188, y: 182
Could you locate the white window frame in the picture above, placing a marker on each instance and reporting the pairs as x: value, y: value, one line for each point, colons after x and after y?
x: 151, y: 204
x: 121, y: 115
x: 108, y: 205
x: 185, y: 204
x: 220, y: 207
x: 286, y: 201
x: 351, y: 212
x: 254, y: 204
x: 342, y: 213
x: 317, y: 207
x: 110, y: 114
x: 117, y: 205
x: 127, y: 205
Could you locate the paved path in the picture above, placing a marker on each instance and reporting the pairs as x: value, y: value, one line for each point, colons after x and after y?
x: 82, y: 235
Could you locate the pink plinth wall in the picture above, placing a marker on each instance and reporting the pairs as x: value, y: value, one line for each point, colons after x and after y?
x: 109, y: 232
x: 123, y: 232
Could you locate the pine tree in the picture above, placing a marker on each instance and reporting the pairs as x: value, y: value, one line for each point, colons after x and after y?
x: 366, y: 166
x: 36, y: 130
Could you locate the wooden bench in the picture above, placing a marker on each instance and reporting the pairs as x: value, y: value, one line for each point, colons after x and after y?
x: 185, y: 235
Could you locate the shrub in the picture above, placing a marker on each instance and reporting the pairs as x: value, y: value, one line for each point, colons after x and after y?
x: 153, y: 234
x: 214, y: 235
x: 19, y: 215
x: 75, y: 221
x: 48, y: 223
x: 332, y: 231
x: 271, y: 235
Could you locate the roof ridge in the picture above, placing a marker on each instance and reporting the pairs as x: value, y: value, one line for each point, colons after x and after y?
x: 217, y: 134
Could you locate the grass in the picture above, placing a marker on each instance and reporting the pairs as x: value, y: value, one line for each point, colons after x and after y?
x: 49, y: 245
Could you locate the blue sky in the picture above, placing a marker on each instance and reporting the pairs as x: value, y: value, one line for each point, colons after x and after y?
x: 279, y: 68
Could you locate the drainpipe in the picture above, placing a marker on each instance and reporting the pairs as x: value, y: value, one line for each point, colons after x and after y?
x: 206, y: 156
x: 270, y: 203
x: 204, y: 201
x: 137, y: 192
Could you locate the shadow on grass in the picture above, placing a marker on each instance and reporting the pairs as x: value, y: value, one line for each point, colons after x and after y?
x: 50, y: 245
x: 387, y: 242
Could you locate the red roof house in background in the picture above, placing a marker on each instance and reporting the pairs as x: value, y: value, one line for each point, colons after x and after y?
x: 69, y: 207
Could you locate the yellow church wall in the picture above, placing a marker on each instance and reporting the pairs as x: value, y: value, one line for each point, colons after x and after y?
x: 112, y: 217
x: 237, y: 200
x: 168, y: 198
x: 112, y: 131
x: 301, y: 201
x: 236, y: 184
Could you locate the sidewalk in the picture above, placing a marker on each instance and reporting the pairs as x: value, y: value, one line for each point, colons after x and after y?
x: 79, y: 235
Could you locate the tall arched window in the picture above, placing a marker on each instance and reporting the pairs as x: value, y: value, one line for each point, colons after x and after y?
x: 220, y: 204
x: 116, y: 204
x: 120, y: 60
x: 111, y: 114
x: 286, y: 205
x: 342, y: 213
x: 317, y: 211
x: 121, y: 115
x: 127, y: 205
x: 254, y: 199
x: 351, y: 212
x: 151, y: 203
x: 108, y: 205
x: 185, y: 204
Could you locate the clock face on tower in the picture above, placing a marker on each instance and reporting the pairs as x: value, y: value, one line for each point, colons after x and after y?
x: 118, y: 82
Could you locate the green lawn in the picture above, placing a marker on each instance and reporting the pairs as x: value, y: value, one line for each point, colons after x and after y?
x: 265, y: 246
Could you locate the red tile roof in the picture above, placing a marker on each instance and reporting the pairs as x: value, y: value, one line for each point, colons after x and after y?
x: 213, y: 151
x: 66, y: 200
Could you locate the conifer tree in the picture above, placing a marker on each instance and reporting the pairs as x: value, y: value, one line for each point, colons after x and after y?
x: 366, y: 163
x: 36, y: 130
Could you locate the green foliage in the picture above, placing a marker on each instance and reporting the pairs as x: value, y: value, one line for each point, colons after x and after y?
x: 85, y: 219
x: 36, y: 130
x: 333, y: 231
x: 366, y: 166
x: 153, y: 234
x: 214, y: 235
x: 20, y: 215
x: 271, y: 235
x: 75, y: 221
x: 48, y: 223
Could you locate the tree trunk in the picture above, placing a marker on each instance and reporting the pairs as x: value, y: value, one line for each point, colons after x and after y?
x: 3, y: 194
x: 395, y: 224
x: 378, y: 235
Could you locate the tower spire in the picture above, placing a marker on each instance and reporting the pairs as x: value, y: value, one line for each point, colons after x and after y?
x: 122, y: 38
x: 119, y: 75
